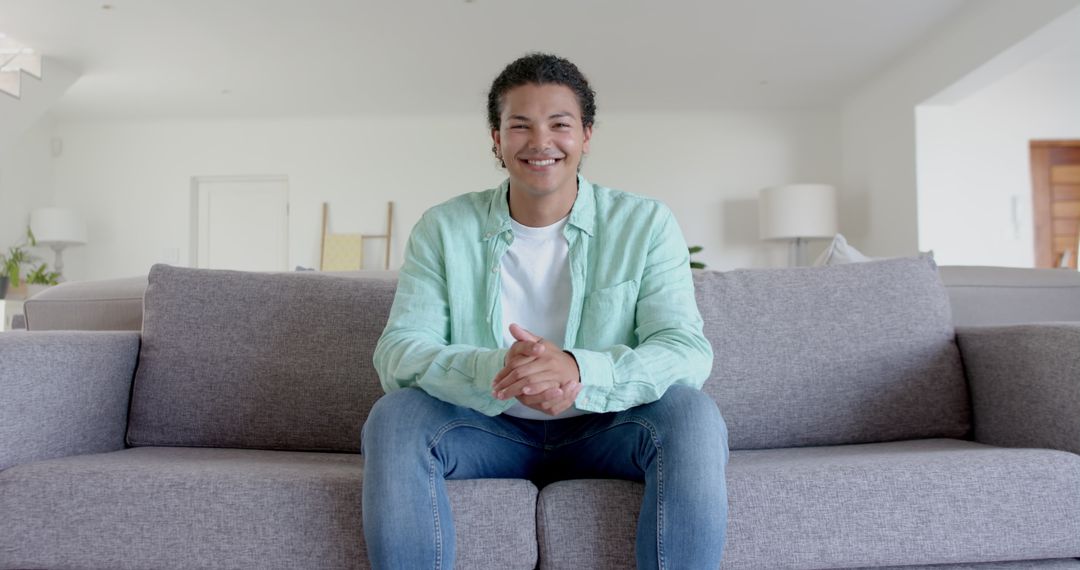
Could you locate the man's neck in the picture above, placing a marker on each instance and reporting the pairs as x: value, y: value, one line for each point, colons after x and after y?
x: 540, y: 211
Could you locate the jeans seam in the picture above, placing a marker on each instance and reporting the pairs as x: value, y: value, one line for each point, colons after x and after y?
x: 458, y: 423
x: 435, y: 512
x: 629, y: 420
x: 660, y: 558
x: 659, y: 500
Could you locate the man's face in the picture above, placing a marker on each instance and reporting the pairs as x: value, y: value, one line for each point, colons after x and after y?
x: 541, y: 138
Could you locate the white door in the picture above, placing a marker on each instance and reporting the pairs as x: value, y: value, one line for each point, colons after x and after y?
x: 241, y: 223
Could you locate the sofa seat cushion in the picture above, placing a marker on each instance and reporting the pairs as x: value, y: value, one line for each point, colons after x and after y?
x: 156, y: 507
x: 902, y: 503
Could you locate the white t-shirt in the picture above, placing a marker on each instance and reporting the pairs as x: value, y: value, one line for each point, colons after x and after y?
x: 536, y: 293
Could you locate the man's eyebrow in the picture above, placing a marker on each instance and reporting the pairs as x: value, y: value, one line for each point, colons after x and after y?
x: 553, y: 116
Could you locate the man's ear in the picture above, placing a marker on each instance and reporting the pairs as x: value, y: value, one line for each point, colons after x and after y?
x: 496, y: 139
x: 585, y: 140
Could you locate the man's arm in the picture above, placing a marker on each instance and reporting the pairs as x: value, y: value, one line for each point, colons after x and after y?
x: 672, y: 349
x: 414, y: 349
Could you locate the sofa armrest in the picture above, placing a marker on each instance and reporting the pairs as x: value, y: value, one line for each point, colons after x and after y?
x: 105, y: 305
x: 64, y: 393
x: 1025, y: 384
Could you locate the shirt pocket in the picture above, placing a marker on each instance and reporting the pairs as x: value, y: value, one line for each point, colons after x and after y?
x: 608, y: 317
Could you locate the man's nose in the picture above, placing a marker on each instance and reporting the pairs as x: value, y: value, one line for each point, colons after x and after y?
x: 539, y: 138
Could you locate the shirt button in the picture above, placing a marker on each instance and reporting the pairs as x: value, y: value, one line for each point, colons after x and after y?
x: 487, y: 235
x: 585, y: 401
x: 495, y: 269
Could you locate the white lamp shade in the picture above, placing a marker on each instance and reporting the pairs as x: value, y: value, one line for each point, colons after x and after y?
x: 797, y: 211
x: 57, y: 226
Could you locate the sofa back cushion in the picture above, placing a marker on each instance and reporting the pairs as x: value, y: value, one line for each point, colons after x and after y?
x: 854, y: 353
x: 257, y: 360
x: 804, y: 356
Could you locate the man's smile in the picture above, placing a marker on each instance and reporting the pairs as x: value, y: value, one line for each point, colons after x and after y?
x: 539, y: 163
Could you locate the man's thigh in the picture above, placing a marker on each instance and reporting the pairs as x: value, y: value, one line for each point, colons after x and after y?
x: 410, y: 425
x: 622, y: 445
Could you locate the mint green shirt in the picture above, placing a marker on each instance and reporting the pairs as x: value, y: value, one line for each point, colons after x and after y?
x: 633, y: 327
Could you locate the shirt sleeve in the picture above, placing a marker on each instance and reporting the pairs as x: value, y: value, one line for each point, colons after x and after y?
x: 415, y: 349
x: 672, y: 347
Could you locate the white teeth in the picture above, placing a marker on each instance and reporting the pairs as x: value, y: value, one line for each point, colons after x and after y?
x: 547, y: 162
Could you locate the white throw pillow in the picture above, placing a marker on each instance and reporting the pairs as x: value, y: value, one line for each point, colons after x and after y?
x: 840, y: 252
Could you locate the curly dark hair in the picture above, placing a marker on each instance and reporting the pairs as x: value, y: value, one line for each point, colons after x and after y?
x: 541, y: 69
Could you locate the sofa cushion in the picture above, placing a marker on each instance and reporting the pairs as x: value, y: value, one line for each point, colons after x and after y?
x: 219, y: 508
x: 854, y: 353
x: 257, y: 360
x: 915, y: 502
x: 46, y: 380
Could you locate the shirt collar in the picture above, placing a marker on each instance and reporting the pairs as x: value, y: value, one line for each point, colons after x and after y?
x: 581, y: 214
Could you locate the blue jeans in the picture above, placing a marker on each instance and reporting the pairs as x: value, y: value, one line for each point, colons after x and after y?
x: 413, y: 443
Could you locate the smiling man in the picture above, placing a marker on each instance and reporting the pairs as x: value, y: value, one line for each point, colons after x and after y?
x: 545, y: 329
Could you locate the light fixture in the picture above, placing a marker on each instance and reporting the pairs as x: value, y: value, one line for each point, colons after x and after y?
x: 57, y: 228
x: 796, y: 213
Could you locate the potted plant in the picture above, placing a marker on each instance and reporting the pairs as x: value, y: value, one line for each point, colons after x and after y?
x: 39, y: 279
x: 11, y: 264
x: 696, y: 264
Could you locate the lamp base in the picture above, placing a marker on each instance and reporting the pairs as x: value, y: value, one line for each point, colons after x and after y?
x: 59, y: 265
x: 797, y: 252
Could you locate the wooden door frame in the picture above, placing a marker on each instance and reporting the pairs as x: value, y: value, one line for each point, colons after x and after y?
x: 1041, y: 198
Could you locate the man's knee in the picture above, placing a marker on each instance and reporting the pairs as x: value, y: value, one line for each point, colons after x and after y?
x: 692, y: 410
x: 395, y: 413
x: 690, y: 401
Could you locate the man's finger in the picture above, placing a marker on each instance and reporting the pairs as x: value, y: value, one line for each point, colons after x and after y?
x: 520, y: 378
x: 519, y: 333
x: 539, y: 386
x: 516, y: 363
x: 558, y: 406
x: 518, y: 348
x: 535, y: 401
x: 509, y: 375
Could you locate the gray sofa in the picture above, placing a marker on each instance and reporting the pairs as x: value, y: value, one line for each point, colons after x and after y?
x: 866, y: 430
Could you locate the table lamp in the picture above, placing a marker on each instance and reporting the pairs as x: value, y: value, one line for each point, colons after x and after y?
x: 797, y: 213
x: 57, y: 228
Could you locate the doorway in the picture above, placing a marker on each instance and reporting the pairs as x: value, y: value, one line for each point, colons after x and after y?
x: 240, y: 222
x: 1055, y: 175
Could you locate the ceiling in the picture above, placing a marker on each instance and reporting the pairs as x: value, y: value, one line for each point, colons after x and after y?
x: 235, y: 58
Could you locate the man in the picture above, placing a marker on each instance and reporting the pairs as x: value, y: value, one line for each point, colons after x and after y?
x: 545, y: 329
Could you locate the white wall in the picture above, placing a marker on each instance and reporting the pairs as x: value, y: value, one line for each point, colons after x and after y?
x: 878, y: 194
x: 132, y: 180
x: 26, y: 182
x: 974, y: 164
x: 36, y: 98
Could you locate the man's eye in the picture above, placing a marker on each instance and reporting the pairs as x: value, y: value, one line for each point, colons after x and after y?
x: 519, y: 126
x: 562, y: 125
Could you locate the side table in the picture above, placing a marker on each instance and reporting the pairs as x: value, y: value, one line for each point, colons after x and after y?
x: 8, y: 309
